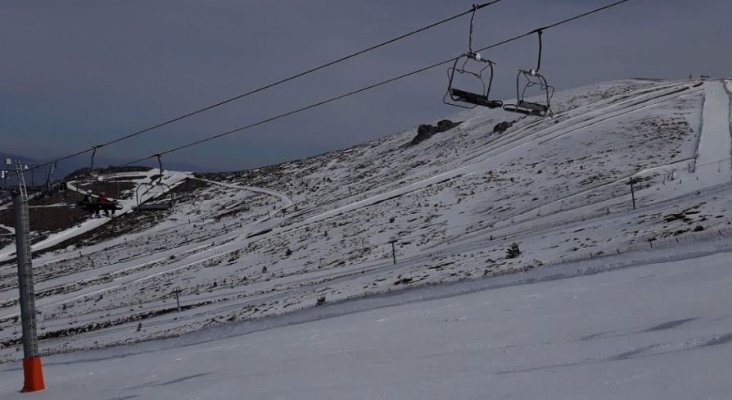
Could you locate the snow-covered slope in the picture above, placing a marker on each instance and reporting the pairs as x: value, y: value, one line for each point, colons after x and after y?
x: 253, y: 244
x: 659, y: 331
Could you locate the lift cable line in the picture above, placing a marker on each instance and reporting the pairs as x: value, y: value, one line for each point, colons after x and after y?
x: 375, y: 85
x: 472, y: 10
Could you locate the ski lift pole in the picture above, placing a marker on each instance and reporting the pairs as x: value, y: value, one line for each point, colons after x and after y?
x: 539, y: 33
x: 470, y: 35
x: 393, y: 250
x: 49, y: 176
x: 632, y: 191
x: 32, y: 367
x: 160, y: 167
x: 94, y: 153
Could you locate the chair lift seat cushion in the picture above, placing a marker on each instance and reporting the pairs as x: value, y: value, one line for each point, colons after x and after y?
x: 525, y: 111
x: 474, y: 98
x: 533, y: 106
x: 154, y: 207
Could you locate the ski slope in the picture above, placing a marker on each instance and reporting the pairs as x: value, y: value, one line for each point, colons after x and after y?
x: 254, y: 250
x: 654, y: 331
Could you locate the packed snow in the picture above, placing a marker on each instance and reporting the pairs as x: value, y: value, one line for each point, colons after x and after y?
x: 655, y: 331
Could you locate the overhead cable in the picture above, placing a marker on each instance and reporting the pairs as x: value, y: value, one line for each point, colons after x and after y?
x: 273, y: 84
x: 375, y: 85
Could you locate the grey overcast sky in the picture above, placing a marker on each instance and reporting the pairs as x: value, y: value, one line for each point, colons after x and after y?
x: 78, y: 72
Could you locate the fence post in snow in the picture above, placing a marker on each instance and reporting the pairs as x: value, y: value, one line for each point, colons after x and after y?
x: 632, y: 191
x: 393, y: 250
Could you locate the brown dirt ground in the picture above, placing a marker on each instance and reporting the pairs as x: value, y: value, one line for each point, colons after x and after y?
x: 47, y: 218
x: 135, y: 221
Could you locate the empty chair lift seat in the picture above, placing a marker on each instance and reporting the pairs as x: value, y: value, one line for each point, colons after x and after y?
x: 474, y: 98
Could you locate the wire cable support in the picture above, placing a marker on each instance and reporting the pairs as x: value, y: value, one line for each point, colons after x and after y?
x: 273, y: 84
x: 375, y: 85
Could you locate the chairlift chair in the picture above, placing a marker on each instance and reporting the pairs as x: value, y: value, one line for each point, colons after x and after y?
x: 478, y: 66
x: 90, y: 205
x: 163, y: 201
x: 530, y: 79
x: 458, y: 97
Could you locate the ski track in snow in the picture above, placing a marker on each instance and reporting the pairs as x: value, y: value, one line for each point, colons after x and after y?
x: 287, y: 202
x: 728, y: 89
x: 600, y: 116
x: 714, y: 145
x: 593, y: 115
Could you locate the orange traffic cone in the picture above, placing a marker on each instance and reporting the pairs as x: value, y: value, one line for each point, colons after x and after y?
x: 33, y: 374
